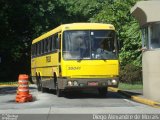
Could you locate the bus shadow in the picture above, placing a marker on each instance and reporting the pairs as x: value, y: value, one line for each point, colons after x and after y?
x: 78, y: 94
x: 91, y: 94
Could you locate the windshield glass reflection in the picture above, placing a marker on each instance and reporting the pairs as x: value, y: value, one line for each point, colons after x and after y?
x: 95, y: 44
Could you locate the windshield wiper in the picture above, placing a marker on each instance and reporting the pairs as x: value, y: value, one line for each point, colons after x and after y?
x: 79, y: 60
x: 83, y: 58
x: 103, y: 58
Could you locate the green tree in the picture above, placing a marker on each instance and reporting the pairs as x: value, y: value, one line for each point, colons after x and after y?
x: 118, y: 13
x: 82, y: 10
x: 23, y: 20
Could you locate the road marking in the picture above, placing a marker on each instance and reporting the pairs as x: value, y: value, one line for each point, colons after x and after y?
x: 132, y: 102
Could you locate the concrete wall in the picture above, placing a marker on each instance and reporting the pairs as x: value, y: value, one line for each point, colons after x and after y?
x: 146, y: 11
x: 151, y: 74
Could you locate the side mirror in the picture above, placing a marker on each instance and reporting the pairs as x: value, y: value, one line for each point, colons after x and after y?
x: 119, y: 44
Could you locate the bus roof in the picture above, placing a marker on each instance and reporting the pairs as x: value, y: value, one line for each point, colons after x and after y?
x: 75, y: 26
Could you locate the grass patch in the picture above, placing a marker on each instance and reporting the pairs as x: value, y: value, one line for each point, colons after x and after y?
x: 125, y: 86
x: 8, y: 83
x: 11, y: 83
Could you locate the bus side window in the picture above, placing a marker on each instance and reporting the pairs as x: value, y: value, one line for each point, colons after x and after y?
x: 49, y: 44
x: 56, y: 41
x: 39, y: 46
x: 43, y: 42
x: 59, y: 40
x: 45, y: 45
x: 36, y: 49
x: 32, y: 51
x: 53, y: 44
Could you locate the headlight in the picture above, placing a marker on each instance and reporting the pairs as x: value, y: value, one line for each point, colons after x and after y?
x: 70, y: 83
x: 75, y: 83
x: 114, y: 82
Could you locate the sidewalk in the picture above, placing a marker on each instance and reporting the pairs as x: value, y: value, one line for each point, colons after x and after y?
x: 136, y: 95
x: 130, y: 93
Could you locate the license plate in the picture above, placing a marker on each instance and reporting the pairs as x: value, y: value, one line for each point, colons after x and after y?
x: 92, y: 83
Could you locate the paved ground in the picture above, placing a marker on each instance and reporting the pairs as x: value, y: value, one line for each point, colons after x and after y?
x: 80, y: 102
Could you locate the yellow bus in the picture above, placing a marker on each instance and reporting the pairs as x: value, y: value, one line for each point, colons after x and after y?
x: 76, y: 56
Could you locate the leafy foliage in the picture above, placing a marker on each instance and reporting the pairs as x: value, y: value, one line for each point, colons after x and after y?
x: 23, y: 20
x: 131, y: 74
x: 118, y: 13
x: 130, y: 52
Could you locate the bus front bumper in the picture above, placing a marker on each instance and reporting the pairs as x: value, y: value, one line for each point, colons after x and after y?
x: 89, y: 82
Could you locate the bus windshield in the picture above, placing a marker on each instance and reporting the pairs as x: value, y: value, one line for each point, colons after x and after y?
x: 89, y: 44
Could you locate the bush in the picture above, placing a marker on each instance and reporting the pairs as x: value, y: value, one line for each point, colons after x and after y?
x: 131, y: 74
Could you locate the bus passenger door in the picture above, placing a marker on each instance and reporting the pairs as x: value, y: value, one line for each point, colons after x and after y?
x: 59, y: 53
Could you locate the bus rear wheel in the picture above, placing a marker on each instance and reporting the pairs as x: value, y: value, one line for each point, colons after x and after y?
x: 38, y: 81
x: 43, y: 89
x: 59, y: 92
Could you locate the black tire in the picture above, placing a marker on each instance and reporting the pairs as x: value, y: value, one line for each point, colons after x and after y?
x: 38, y: 83
x: 43, y: 89
x: 59, y: 92
x: 30, y: 79
x: 103, y: 91
x: 54, y: 81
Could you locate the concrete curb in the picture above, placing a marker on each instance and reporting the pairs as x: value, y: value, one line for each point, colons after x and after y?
x: 137, y: 98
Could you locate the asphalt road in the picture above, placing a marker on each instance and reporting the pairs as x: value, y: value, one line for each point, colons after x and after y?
x: 47, y: 106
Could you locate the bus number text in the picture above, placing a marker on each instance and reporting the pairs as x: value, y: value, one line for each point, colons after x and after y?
x: 74, y: 68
